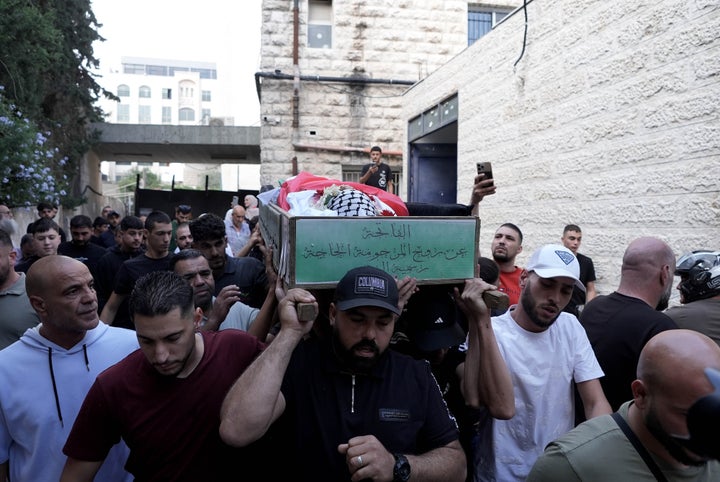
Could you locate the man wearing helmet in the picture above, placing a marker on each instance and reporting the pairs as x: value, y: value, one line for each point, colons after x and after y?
x: 699, y: 287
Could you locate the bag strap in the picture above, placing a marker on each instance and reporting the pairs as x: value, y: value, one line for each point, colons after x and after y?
x: 639, y: 447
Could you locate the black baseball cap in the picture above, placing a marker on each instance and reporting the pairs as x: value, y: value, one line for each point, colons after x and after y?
x: 367, y: 286
x: 433, y: 320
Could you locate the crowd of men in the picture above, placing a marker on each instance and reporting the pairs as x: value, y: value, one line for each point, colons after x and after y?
x: 166, y: 348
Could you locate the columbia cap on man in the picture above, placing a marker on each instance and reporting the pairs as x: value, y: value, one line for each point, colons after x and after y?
x: 553, y: 261
x: 367, y: 286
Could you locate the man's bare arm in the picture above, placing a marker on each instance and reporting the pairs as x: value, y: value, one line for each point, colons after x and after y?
x: 255, y: 401
x: 79, y: 470
x: 111, y: 307
x: 593, y: 398
x: 486, y: 380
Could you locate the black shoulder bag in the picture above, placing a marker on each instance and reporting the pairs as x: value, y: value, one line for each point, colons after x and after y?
x: 639, y: 447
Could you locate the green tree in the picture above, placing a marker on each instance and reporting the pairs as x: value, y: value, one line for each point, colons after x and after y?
x: 45, y: 67
x: 25, y: 159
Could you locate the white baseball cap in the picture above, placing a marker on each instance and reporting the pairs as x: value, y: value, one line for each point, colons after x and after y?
x: 553, y: 261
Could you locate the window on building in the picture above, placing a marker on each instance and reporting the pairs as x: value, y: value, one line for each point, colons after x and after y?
x: 144, y: 114
x: 186, y: 114
x: 167, y: 93
x: 206, y: 116
x: 352, y: 174
x: 137, y: 69
x: 123, y: 113
x: 167, y: 115
x: 320, y: 17
x: 157, y: 70
x: 187, y: 90
x: 123, y: 90
x: 482, y: 19
x: 206, y: 96
x: 144, y: 92
x: 205, y: 73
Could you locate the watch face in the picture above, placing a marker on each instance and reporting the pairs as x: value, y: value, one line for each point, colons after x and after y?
x: 401, y: 472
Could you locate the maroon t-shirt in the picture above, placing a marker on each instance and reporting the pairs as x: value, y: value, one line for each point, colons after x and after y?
x: 170, y: 424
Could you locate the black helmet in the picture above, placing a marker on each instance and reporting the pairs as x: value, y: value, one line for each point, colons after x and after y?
x: 700, y: 273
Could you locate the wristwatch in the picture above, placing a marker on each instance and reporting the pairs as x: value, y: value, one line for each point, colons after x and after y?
x: 401, y: 471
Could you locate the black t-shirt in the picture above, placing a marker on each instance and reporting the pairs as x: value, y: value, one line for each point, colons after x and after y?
x: 130, y: 271
x: 587, y: 273
x: 107, y: 270
x: 249, y: 275
x: 89, y: 254
x: 398, y: 401
x: 381, y: 178
x: 618, y: 327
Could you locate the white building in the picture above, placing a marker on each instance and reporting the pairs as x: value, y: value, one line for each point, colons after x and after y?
x: 160, y: 91
x: 171, y: 92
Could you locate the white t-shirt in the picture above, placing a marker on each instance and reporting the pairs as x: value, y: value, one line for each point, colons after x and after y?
x: 542, y: 366
x: 240, y: 316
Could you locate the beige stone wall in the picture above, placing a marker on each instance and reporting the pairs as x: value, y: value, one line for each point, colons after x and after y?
x: 610, y: 120
x: 391, y: 39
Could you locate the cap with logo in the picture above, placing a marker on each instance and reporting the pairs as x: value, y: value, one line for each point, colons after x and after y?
x: 367, y: 286
x: 555, y: 260
x: 433, y: 320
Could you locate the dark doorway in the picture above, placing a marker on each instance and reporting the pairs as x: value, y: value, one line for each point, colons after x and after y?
x: 433, y: 173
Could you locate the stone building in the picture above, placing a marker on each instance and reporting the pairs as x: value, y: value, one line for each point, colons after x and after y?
x: 333, y: 75
x: 607, y: 115
x: 594, y: 112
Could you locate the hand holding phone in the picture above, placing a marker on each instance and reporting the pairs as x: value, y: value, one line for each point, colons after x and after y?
x: 485, y: 168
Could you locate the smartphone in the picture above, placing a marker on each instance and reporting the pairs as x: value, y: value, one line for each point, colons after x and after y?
x: 485, y: 168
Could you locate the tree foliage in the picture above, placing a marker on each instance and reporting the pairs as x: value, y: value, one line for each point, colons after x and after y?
x: 45, y: 69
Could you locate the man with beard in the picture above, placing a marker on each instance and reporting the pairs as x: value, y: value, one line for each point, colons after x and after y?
x: 226, y: 310
x: 79, y: 247
x: 16, y: 314
x: 164, y: 399
x: 7, y: 220
x: 345, y: 405
x: 546, y: 351
x: 247, y: 273
x: 670, y: 379
x: 619, y: 324
x: 505, y: 246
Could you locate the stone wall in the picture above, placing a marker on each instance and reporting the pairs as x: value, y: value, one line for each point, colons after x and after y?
x: 338, y: 122
x: 610, y: 119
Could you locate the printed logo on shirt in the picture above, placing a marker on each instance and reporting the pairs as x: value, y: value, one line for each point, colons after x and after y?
x: 394, y: 415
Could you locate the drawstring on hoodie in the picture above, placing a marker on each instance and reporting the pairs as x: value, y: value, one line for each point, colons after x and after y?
x: 54, y: 384
x: 352, y: 396
x: 52, y: 376
x: 87, y: 361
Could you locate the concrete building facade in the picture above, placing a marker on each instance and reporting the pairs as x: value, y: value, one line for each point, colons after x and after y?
x: 606, y: 116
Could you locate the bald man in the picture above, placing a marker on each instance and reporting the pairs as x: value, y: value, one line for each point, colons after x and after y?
x: 51, y: 368
x: 619, y: 324
x: 670, y: 379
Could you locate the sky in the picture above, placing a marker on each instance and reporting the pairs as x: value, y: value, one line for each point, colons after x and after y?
x: 222, y: 31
